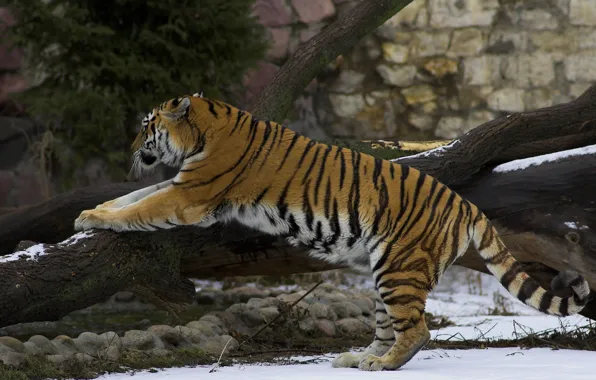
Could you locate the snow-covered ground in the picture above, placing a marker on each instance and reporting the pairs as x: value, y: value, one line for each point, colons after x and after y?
x: 468, y: 299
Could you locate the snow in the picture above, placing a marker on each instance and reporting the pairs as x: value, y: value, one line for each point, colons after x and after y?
x: 575, y: 226
x: 468, y: 299
x: 433, y: 152
x: 36, y: 251
x: 538, y: 160
x: 487, y: 364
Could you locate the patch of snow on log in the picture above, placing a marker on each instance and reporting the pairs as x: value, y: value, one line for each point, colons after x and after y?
x: 575, y: 226
x: 539, y: 160
x: 36, y: 251
x: 433, y: 152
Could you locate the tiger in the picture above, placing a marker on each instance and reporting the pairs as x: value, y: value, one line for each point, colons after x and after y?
x: 389, y: 220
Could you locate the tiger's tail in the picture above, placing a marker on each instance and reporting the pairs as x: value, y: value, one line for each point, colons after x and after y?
x: 504, y: 267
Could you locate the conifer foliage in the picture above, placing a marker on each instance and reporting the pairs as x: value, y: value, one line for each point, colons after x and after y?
x: 99, y: 63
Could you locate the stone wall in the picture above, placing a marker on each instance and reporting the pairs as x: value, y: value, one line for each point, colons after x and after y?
x: 442, y: 67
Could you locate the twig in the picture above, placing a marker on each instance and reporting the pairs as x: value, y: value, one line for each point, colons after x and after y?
x: 279, y: 315
x: 217, y: 365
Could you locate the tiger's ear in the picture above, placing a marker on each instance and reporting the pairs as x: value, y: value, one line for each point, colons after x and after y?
x: 180, y: 109
x: 198, y: 94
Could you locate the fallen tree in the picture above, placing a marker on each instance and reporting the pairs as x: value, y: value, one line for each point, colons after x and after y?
x: 544, y: 212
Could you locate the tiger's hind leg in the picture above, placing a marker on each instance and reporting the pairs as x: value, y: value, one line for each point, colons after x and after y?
x: 384, y: 339
x: 404, y: 292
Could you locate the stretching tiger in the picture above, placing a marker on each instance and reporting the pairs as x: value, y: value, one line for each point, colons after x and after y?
x: 379, y: 217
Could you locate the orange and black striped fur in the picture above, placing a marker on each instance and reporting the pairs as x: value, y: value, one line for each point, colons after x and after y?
x: 390, y: 220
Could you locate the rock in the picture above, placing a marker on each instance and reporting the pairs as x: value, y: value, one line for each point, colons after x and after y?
x: 138, y: 339
x: 161, y: 352
x: 255, y: 303
x: 12, y: 359
x: 271, y: 301
x: 426, y: 44
x: 581, y: 66
x: 64, y: 345
x: 352, y: 326
x: 326, y: 327
x: 346, y: 105
x: 582, y: 12
x: 111, y: 339
x: 214, y: 320
x: 395, y: 53
x: 32, y: 349
x: 112, y: 353
x: 420, y: 93
x: 507, y: 99
x: 205, y: 327
x: 313, y: 10
x: 169, y: 335
x: 311, y: 31
x: 124, y: 296
x: 319, y: 310
x: 280, y: 39
x: 253, y: 317
x: 366, y: 305
x: 83, y: 358
x: 466, y: 42
x: 56, y: 359
x: 462, y: 13
x: 449, y: 127
x: 421, y: 121
x: 244, y: 293
x: 44, y: 344
x: 89, y: 343
x: 272, y: 13
x: 256, y: 79
x: 334, y: 296
x: 209, y: 297
x: 216, y: 345
x: 345, y: 309
x: 530, y: 70
x: 439, y: 67
x: 348, y: 81
x: 269, y: 313
x: 397, y: 75
x: 13, y: 343
x: 307, y: 325
x: 193, y: 336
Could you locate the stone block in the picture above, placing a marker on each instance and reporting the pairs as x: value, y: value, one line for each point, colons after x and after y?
x: 539, y: 98
x: 507, y: 100
x: 467, y: 42
x: 462, y: 13
x: 279, y: 41
x: 313, y: 10
x: 395, y: 53
x: 425, y: 44
x: 507, y: 41
x: 348, y: 81
x: 272, y: 13
x: 394, y: 75
x: 530, y: 70
x: 539, y: 19
x: 413, y: 15
x: 483, y: 70
x: 420, y: 93
x: 582, y: 12
x: 347, y: 105
x: 440, y: 67
x: 581, y: 67
x: 449, y: 127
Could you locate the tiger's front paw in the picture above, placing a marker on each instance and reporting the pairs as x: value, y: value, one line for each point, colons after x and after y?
x: 108, y: 204
x: 91, y: 219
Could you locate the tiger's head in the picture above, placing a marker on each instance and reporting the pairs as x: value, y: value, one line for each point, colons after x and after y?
x: 171, y: 133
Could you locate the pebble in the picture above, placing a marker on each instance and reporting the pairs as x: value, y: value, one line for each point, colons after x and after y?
x: 352, y: 326
x: 139, y: 339
x: 13, y: 343
x: 44, y: 344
